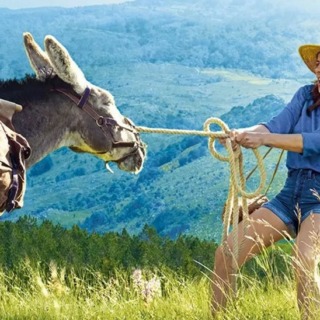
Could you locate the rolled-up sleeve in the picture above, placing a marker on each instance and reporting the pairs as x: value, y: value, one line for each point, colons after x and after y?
x: 311, y: 143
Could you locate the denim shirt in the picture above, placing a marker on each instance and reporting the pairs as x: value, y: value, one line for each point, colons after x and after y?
x: 294, y: 119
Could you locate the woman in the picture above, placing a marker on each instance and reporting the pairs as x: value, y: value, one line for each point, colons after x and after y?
x: 295, y: 210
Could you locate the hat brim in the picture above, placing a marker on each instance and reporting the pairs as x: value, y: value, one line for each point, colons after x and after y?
x: 308, y: 53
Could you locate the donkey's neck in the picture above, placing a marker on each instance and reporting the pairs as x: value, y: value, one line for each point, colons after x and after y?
x: 45, y: 123
x: 43, y: 129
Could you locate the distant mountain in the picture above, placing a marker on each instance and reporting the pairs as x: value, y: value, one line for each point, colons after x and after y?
x: 252, y: 36
x: 261, y: 109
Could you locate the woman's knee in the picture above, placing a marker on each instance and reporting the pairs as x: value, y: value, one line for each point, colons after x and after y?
x: 222, y: 259
x: 307, y: 248
x: 304, y: 259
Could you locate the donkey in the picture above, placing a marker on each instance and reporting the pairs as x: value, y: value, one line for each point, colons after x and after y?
x: 62, y: 109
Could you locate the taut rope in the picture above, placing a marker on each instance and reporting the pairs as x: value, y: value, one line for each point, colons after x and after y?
x: 237, y: 181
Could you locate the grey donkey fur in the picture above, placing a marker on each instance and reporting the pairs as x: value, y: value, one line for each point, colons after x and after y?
x: 50, y: 120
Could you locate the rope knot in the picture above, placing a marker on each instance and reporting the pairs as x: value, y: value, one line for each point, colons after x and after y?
x: 224, y: 134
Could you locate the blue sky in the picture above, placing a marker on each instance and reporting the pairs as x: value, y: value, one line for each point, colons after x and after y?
x: 18, y: 4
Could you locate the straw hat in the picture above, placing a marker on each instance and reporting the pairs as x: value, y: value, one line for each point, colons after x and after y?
x: 308, y: 53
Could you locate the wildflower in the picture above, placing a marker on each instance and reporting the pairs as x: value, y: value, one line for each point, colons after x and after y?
x: 42, y: 286
x: 148, y: 289
x: 138, y: 281
x: 152, y: 289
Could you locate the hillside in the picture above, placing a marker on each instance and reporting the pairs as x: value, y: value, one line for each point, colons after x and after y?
x: 181, y: 189
x: 249, y: 36
x: 172, y: 64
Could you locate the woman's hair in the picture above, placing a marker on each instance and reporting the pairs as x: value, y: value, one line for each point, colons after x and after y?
x: 315, y: 95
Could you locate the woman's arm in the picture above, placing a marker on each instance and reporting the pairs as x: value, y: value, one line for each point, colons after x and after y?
x: 260, y: 137
x: 234, y: 133
x: 281, y: 127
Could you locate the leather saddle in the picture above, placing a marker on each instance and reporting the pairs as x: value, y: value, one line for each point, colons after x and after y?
x: 14, y: 150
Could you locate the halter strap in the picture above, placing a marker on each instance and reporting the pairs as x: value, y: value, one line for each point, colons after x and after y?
x: 84, y: 99
x: 102, y: 122
x: 86, y: 106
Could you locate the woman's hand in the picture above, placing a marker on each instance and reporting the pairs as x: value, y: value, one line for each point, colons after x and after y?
x: 232, y: 137
x: 250, y: 140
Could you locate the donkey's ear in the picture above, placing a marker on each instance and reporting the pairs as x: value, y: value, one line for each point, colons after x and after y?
x: 64, y: 66
x: 38, y: 59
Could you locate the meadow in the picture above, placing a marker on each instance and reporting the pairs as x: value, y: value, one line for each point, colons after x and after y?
x: 71, y: 274
x: 141, y: 294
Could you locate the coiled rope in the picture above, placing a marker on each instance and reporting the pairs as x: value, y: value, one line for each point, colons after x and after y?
x: 237, y: 180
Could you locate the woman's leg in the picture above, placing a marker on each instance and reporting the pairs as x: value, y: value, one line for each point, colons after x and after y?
x: 265, y: 228
x: 306, y: 259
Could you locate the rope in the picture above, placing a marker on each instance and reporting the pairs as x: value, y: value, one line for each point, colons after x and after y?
x: 237, y: 180
x: 183, y: 132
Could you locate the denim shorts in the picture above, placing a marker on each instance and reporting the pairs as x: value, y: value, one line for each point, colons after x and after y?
x: 295, y: 202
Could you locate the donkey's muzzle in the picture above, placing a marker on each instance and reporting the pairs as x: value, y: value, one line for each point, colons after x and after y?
x: 133, y: 161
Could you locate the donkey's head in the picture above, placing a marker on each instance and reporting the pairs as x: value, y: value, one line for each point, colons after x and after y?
x: 100, y: 128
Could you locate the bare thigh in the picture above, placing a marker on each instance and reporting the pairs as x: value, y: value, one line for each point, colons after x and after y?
x: 308, y: 240
x: 264, y: 229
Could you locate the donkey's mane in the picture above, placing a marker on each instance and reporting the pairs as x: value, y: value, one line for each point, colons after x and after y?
x: 29, y: 88
x: 17, y: 82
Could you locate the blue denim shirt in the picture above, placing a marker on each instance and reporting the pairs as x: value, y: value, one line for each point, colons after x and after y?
x: 294, y: 119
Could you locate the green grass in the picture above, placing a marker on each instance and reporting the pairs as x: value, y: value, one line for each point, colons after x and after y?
x: 31, y: 293
x: 187, y: 300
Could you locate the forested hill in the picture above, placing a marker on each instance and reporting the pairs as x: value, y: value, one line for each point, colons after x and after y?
x: 258, y: 37
x: 169, y: 64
